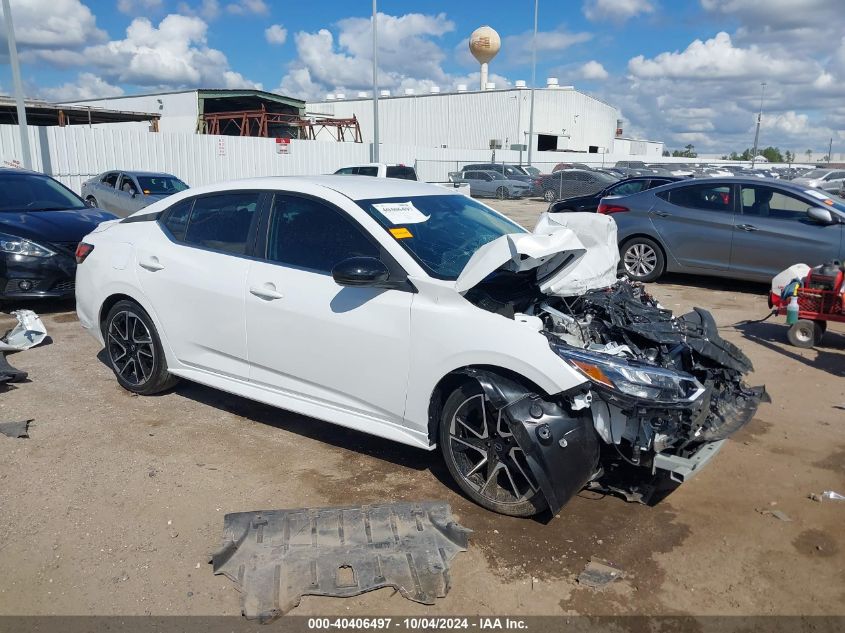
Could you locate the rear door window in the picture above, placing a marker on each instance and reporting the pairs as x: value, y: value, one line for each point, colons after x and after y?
x: 401, y: 172
x: 223, y: 222
x: 306, y: 233
x: 706, y: 197
x: 176, y: 219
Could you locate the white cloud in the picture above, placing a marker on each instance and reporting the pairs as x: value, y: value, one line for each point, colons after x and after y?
x: 593, y: 70
x: 550, y: 44
x: 789, y: 122
x: 133, y: 7
x: 86, y: 86
x: 616, y: 10
x: 53, y: 24
x: 276, y: 34
x: 207, y: 9
x: 173, y: 54
x: 408, y: 55
x: 244, y: 7
x: 718, y: 58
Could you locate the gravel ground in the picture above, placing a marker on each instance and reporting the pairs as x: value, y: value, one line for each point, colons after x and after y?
x: 115, y: 501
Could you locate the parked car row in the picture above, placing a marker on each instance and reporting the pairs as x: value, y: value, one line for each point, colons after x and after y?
x: 743, y: 228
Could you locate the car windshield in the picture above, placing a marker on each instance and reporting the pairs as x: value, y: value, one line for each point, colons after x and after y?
x: 440, y: 232
x: 35, y: 192
x: 816, y: 173
x: 531, y: 171
x: 158, y: 185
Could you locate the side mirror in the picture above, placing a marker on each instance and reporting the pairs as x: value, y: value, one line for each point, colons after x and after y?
x: 360, y: 272
x: 822, y: 216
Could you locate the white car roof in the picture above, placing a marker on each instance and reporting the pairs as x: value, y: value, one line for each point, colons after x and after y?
x: 357, y: 188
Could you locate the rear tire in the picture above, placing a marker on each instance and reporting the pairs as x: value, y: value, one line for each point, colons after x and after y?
x: 642, y: 259
x: 471, y: 442
x: 134, y: 350
x: 502, y: 193
x: 806, y: 333
x: 549, y: 195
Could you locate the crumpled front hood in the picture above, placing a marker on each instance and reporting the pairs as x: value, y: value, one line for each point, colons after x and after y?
x: 571, y: 255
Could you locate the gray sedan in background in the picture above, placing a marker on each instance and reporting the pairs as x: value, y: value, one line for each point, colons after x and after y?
x: 571, y: 182
x: 743, y: 228
x: 125, y: 192
x: 492, y: 183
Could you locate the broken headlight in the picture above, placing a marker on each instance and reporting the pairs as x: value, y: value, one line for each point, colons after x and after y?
x: 632, y: 379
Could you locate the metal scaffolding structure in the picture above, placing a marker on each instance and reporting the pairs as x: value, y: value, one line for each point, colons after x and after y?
x: 259, y: 123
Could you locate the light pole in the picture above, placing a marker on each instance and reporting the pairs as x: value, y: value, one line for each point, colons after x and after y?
x: 759, y: 118
x: 18, y: 86
x: 375, y: 86
x: 533, y: 83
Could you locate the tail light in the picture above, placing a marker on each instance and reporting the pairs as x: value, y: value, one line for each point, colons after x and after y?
x: 608, y: 208
x: 83, y: 250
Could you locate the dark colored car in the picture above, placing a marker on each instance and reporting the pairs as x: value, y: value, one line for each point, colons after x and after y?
x: 571, y: 182
x: 41, y: 224
x: 739, y: 227
x: 590, y: 202
x: 511, y: 172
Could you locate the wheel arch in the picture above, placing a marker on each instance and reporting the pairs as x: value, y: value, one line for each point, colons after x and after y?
x: 450, y: 382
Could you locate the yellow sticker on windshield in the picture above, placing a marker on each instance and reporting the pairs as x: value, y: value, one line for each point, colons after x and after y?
x: 401, y: 233
x: 146, y: 192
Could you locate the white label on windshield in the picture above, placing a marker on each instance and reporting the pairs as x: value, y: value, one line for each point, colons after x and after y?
x: 816, y: 194
x: 401, y: 212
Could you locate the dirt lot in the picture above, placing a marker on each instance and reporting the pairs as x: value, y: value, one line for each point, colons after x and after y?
x: 114, y: 503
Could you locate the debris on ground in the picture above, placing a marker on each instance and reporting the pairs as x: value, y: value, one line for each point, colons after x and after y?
x: 28, y: 332
x: 9, y: 373
x: 15, y: 430
x: 632, y: 495
x: 277, y: 556
x: 830, y: 494
x: 599, y: 573
x: 782, y: 516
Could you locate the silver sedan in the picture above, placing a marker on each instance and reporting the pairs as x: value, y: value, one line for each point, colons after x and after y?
x: 125, y: 192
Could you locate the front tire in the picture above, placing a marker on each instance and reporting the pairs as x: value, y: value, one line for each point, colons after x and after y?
x: 502, y: 193
x: 483, y: 457
x: 92, y: 201
x: 134, y: 350
x: 549, y: 195
x: 642, y: 259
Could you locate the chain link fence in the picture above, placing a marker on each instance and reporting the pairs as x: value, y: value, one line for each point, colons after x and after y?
x: 553, y: 180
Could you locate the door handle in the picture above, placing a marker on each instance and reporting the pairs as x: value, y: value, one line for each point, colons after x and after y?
x: 151, y: 263
x: 662, y: 214
x: 747, y: 227
x: 266, y: 291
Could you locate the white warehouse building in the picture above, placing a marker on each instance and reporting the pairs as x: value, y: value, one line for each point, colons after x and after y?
x: 565, y: 119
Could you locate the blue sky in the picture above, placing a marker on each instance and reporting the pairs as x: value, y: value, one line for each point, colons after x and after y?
x: 683, y: 71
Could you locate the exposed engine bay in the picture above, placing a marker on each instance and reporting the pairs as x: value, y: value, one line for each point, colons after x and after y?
x: 662, y: 391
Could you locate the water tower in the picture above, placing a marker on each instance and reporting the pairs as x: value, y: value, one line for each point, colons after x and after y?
x: 484, y: 43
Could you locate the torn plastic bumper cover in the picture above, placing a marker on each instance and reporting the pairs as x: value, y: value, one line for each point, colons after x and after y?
x: 278, y: 556
x: 561, y: 448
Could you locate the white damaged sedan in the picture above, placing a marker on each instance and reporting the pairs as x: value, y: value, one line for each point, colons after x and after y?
x: 420, y: 316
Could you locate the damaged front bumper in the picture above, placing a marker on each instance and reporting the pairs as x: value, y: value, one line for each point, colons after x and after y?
x: 681, y: 469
